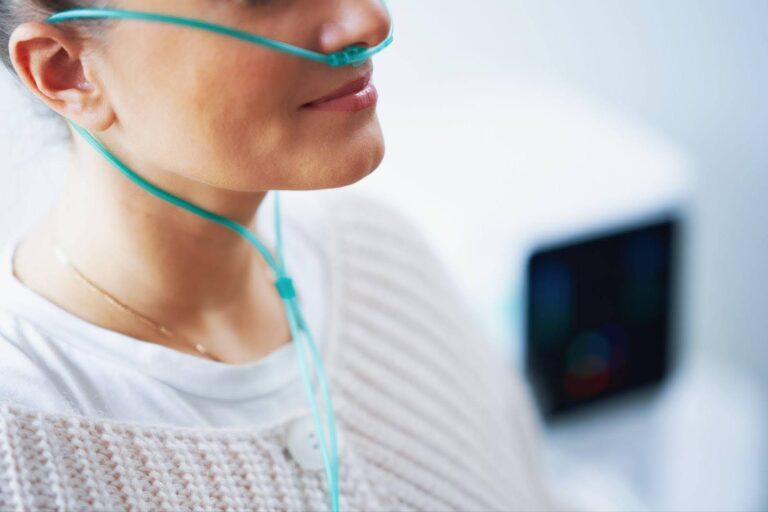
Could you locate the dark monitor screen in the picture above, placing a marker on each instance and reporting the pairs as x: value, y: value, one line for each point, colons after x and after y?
x: 600, y: 315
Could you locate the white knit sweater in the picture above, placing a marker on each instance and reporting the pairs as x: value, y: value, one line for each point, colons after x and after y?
x: 434, y: 416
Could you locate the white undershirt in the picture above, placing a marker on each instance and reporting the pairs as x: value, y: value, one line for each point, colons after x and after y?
x: 53, y: 360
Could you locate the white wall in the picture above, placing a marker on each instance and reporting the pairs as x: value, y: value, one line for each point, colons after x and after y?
x: 32, y: 152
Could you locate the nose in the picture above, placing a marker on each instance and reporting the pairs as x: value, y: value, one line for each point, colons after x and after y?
x: 357, y: 22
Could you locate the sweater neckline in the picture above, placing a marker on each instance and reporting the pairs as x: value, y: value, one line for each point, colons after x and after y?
x: 186, y: 372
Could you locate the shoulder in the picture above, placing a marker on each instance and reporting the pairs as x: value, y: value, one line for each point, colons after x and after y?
x: 364, y: 211
x: 350, y: 223
x: 414, y: 327
x: 368, y: 226
x: 26, y: 378
x: 379, y: 240
x: 321, y: 213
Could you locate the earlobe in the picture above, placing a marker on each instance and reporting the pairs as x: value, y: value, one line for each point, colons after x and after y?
x: 49, y: 62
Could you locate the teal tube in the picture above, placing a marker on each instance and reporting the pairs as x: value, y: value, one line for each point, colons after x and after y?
x: 284, y: 285
x: 354, y: 55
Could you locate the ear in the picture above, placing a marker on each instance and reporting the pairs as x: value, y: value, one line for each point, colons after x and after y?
x: 52, y: 64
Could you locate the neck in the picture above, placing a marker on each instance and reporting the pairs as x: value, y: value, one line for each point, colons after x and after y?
x: 158, y: 256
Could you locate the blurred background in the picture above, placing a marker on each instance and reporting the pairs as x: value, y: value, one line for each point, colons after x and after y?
x: 592, y: 172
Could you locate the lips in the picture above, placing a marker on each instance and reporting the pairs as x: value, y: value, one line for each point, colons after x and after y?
x: 352, y: 87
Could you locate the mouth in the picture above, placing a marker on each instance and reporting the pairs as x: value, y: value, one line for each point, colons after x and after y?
x: 354, y: 95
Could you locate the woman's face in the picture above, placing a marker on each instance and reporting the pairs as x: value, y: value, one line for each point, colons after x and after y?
x: 230, y: 113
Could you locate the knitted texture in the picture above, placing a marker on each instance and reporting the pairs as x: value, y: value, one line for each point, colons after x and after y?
x: 433, y: 415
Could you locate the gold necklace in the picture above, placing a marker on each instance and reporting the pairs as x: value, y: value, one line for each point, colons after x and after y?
x: 63, y: 258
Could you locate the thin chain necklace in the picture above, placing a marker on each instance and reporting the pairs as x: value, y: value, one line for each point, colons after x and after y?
x: 63, y: 258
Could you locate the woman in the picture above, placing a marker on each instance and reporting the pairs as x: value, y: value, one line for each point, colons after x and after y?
x: 146, y: 357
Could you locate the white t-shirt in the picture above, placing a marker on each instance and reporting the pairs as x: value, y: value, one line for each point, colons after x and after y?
x: 55, y: 361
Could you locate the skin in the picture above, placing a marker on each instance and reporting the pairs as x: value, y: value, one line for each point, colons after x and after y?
x: 211, y: 119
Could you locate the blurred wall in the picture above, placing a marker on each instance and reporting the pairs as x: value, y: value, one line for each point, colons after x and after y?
x: 697, y: 71
x: 693, y: 70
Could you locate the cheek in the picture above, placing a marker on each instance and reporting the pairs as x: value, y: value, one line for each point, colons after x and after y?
x: 244, y: 105
x: 220, y: 114
x: 239, y: 112
x: 226, y: 114
x: 335, y: 149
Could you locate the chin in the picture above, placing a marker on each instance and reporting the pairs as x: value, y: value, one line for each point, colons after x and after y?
x: 336, y: 178
x: 351, y: 174
x: 344, y: 170
x: 351, y: 178
x: 322, y: 167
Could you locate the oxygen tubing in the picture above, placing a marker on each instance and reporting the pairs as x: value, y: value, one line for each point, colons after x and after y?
x: 284, y: 285
x: 354, y: 55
